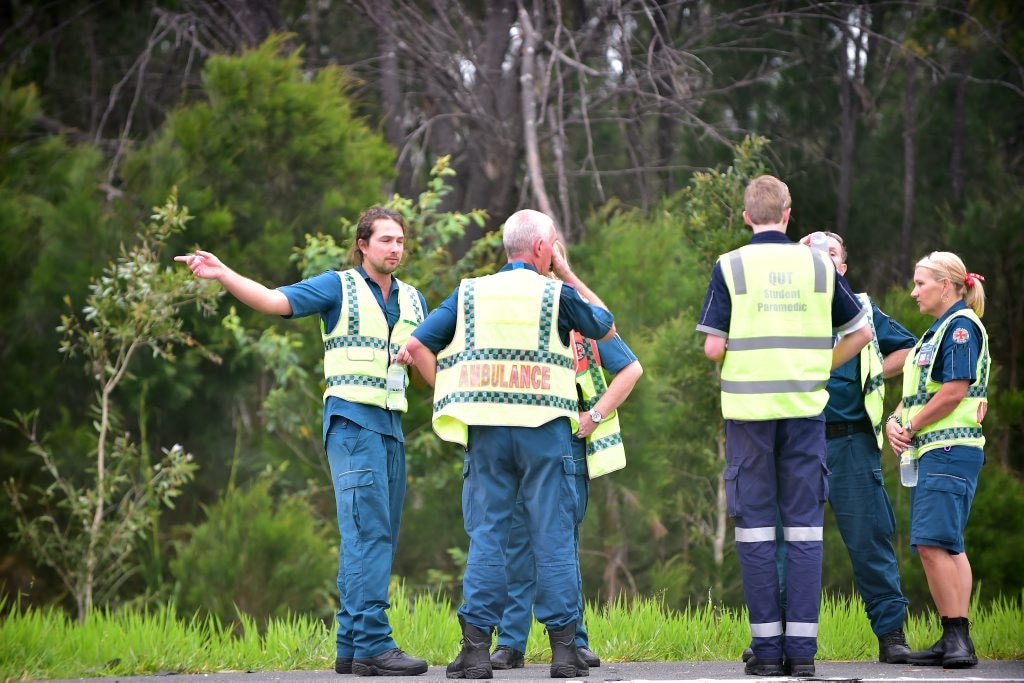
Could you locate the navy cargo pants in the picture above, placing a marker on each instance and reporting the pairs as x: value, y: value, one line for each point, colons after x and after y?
x: 536, y: 464
x: 775, y: 471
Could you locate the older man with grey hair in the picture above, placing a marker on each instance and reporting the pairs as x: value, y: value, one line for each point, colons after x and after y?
x: 505, y: 390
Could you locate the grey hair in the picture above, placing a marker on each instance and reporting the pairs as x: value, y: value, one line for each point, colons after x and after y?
x: 522, y: 228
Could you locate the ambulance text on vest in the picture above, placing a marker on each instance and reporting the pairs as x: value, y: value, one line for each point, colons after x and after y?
x: 523, y: 376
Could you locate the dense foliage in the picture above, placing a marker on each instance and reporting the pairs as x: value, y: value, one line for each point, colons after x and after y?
x: 894, y: 123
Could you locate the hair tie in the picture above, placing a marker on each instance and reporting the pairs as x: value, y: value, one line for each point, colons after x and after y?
x: 971, y: 277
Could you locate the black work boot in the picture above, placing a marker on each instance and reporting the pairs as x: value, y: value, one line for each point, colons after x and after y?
x: 507, y: 657
x: 474, y: 660
x: 565, y: 660
x: 955, y: 640
x: 588, y: 656
x: 959, y: 650
x: 930, y: 657
x: 394, y: 662
x: 343, y: 665
x: 798, y: 667
x: 893, y: 648
x: 755, y: 666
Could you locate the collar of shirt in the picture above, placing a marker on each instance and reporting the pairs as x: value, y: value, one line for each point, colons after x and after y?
x: 517, y: 265
x: 957, y: 306
x: 373, y: 283
x: 770, y: 237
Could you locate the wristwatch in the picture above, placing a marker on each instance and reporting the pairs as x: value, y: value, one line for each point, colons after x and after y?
x: 909, y: 428
x: 595, y: 416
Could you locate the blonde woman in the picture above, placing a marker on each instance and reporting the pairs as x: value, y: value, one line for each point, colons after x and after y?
x: 945, y: 396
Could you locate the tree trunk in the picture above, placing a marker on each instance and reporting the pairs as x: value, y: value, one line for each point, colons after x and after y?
x: 906, y: 257
x: 851, y: 56
x: 721, y: 520
x: 529, y: 112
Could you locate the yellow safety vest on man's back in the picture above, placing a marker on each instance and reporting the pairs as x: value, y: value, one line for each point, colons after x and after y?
x: 506, y: 364
x: 779, y: 353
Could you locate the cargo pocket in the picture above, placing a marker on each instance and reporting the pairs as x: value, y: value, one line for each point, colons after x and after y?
x: 947, y: 500
x: 363, y: 509
x: 731, y: 477
x: 824, y: 484
x: 569, y: 507
x: 469, y: 515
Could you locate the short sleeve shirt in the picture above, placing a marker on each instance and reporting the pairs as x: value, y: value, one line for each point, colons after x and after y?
x: 615, y: 355
x: 959, y: 347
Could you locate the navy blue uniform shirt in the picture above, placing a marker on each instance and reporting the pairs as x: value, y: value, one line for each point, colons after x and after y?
x: 437, y: 331
x: 959, y: 347
x: 323, y: 294
x: 845, y: 392
x: 615, y: 355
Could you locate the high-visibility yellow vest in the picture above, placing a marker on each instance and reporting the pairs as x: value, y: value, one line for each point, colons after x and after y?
x: 779, y: 353
x: 605, y: 452
x: 961, y: 427
x: 359, y: 348
x: 506, y: 364
x: 871, y: 380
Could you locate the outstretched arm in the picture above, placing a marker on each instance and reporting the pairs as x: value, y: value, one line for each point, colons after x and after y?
x: 206, y: 266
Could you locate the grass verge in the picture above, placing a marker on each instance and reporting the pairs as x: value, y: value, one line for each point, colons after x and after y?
x: 45, y: 643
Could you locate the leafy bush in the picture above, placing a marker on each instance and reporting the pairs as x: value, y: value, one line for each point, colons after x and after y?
x: 258, y: 556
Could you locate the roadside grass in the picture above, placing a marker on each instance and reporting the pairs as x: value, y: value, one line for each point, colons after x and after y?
x: 46, y: 643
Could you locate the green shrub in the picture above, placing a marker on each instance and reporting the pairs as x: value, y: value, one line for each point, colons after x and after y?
x: 258, y: 556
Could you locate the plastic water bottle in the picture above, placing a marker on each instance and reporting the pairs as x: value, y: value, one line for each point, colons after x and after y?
x: 908, y: 467
x: 819, y: 241
x: 395, y: 385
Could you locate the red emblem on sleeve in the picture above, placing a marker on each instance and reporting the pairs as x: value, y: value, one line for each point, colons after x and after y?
x: 960, y: 335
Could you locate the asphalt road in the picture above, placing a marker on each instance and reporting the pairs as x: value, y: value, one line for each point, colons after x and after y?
x: 986, y: 670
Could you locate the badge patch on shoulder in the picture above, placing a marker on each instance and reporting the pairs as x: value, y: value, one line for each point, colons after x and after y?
x: 960, y: 335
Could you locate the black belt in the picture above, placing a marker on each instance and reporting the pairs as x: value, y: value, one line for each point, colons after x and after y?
x: 837, y: 429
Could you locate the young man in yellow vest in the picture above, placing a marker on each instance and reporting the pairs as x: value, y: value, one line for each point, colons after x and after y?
x: 854, y: 424
x: 366, y: 315
x: 505, y: 390
x: 769, y: 316
x: 597, y: 450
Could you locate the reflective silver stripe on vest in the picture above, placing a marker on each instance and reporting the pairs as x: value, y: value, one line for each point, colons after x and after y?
x: 759, y: 343
x: 801, y: 629
x: 819, y: 275
x: 767, y: 630
x: 802, y: 533
x: 755, y: 535
x: 739, y: 278
x: 779, y: 386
